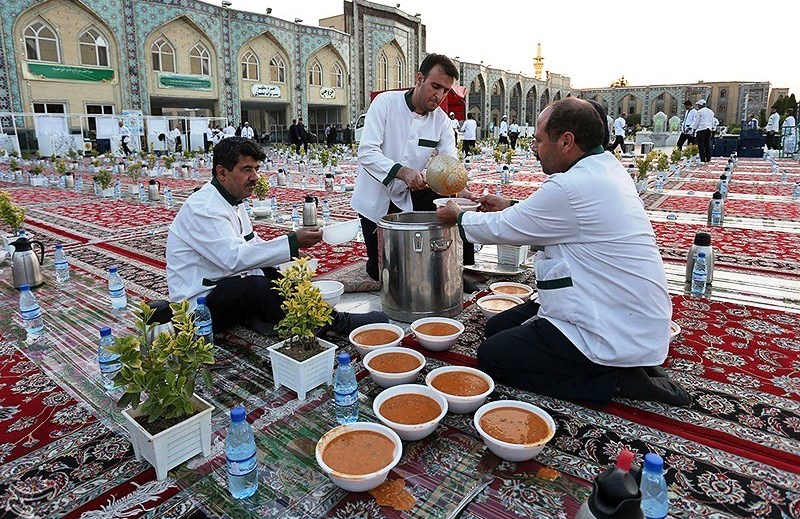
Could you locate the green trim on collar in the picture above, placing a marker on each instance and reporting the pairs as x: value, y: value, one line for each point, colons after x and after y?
x: 461, y: 231
x: 222, y: 191
x: 512, y: 202
x: 392, y: 174
x: 250, y: 236
x: 208, y: 283
x: 408, y: 96
x: 552, y: 284
x: 294, y: 246
x: 425, y: 143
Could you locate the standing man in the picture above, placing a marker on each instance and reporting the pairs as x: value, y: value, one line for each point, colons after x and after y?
x: 470, y: 129
x: 702, y: 130
x: 124, y: 137
x: 229, y: 131
x: 302, y: 136
x: 401, y: 133
x: 503, y: 139
x: 687, y: 129
x: 247, y: 131
x: 773, y: 125
x: 619, y: 133
x: 293, y: 133
x: 604, y: 309
x: 347, y: 136
x: 454, y: 125
x: 789, y: 130
x: 513, y: 133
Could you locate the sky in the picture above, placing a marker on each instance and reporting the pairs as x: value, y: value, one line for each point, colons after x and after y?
x: 596, y: 42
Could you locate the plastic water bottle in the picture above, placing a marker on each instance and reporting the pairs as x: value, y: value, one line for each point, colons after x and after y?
x: 117, y: 190
x: 784, y: 176
x: 699, y: 274
x: 116, y: 290
x: 142, y: 194
x: 202, y: 320
x: 61, y: 265
x: 326, y: 212
x: 659, y: 184
x: 295, y: 217
x: 655, y: 501
x: 168, y: 199
x: 498, y: 190
x: 79, y: 184
x: 31, y: 312
x: 796, y: 191
x: 273, y: 205
x: 716, y: 213
x: 342, y: 186
x: 345, y: 391
x: 240, y: 455
x: 106, y: 359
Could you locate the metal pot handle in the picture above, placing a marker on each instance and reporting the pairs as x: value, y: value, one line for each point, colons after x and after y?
x: 417, y: 242
x: 441, y: 244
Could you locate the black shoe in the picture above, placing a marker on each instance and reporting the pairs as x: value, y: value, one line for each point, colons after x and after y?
x: 637, y: 384
x: 344, y: 323
x: 264, y: 328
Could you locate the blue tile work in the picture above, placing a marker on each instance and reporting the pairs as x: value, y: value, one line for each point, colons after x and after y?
x: 377, y: 34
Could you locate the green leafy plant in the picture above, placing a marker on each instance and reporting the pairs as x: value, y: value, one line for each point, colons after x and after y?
x: 164, y: 370
x: 498, y: 155
x: 305, y: 310
x: 10, y: 213
x: 13, y: 164
x: 643, y: 165
x: 134, y: 171
x: 169, y: 161
x: 36, y: 169
x: 676, y: 155
x: 261, y: 191
x: 658, y: 159
x: 103, y: 178
x: 509, y: 156
x: 61, y: 167
x: 691, y: 150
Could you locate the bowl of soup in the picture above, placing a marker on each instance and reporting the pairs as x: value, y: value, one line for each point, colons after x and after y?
x: 374, y: 336
x: 510, y: 288
x: 493, y: 304
x: 358, y: 456
x: 514, y: 430
x: 411, y: 410
x: 464, y: 203
x: 465, y: 389
x: 394, y: 365
x: 437, y: 333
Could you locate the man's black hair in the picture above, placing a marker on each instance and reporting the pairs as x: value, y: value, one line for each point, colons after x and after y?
x: 228, y: 151
x: 431, y: 60
x: 578, y: 117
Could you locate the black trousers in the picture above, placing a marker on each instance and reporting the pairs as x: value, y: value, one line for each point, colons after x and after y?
x: 466, y: 146
x: 241, y: 300
x: 703, y: 138
x: 771, y: 141
x: 684, y: 137
x: 502, y: 140
x: 537, y: 357
x: 513, y: 136
x: 619, y: 140
x: 125, y: 148
x: 422, y: 200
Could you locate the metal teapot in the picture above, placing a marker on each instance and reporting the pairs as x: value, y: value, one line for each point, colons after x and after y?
x: 26, y: 265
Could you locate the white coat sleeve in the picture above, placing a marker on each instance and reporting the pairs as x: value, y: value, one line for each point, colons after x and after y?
x: 370, y: 154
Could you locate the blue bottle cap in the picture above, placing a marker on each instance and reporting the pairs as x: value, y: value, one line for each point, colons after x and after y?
x: 201, y: 300
x: 23, y: 288
x: 113, y: 269
x: 653, y: 462
x: 59, y: 246
x: 105, y: 331
x: 238, y: 414
x: 343, y: 358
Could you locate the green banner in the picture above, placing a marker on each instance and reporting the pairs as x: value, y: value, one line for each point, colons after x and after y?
x: 184, y: 81
x: 57, y: 71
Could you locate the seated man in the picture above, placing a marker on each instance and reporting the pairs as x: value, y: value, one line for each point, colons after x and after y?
x: 601, y: 326
x: 213, y: 251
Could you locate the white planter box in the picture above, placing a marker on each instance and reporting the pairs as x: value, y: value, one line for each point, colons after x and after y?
x: 107, y: 193
x: 171, y: 447
x: 38, y: 181
x: 512, y: 254
x: 304, y: 376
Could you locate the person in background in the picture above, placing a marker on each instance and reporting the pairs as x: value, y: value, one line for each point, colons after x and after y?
x: 347, y: 136
x: 601, y: 326
x: 687, y: 128
x: 454, y: 125
x: 619, y: 133
x: 247, y: 131
x: 772, y: 127
x: 789, y: 131
x: 124, y: 137
x: 703, y: 126
x: 293, y: 133
x: 213, y: 251
x: 330, y: 135
x: 229, y: 131
x: 752, y: 123
x: 302, y: 136
x: 513, y: 133
x: 470, y: 130
x: 503, y: 132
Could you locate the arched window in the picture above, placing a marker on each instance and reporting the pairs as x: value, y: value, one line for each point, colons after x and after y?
x: 199, y: 61
x: 315, y: 73
x: 94, y: 48
x: 163, y: 56
x: 383, y: 72
x: 41, y: 43
x: 398, y: 65
x: 277, y: 70
x: 338, y: 76
x: 249, y: 66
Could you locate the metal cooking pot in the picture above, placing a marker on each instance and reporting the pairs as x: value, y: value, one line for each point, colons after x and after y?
x: 420, y: 262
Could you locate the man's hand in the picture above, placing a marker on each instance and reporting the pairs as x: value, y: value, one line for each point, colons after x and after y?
x: 491, y: 203
x: 469, y: 195
x: 413, y: 178
x: 449, y: 212
x: 308, y: 236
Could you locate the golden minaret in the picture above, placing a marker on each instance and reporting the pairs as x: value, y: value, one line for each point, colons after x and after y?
x: 538, y: 62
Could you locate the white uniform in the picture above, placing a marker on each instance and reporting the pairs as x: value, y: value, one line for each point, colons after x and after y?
x: 789, y: 134
x: 773, y: 123
x: 600, y: 276
x: 619, y: 126
x: 705, y: 119
x: 689, y: 120
x: 247, y: 132
x: 503, y: 128
x: 394, y: 135
x: 210, y: 239
x: 470, y: 129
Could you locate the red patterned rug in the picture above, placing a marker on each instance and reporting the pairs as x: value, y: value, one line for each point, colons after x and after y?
x: 759, y: 188
x: 740, y: 208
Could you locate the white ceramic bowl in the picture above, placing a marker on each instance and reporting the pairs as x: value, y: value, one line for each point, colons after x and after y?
x: 514, y: 451
x: 674, y: 330
x: 261, y: 210
x: 384, y: 379
x: 464, y: 203
x: 338, y: 233
x: 331, y: 290
x: 364, y: 482
x: 410, y: 432
x: 364, y: 349
x: 496, y: 289
x: 461, y: 404
x: 488, y: 312
x: 311, y: 263
x: 437, y: 342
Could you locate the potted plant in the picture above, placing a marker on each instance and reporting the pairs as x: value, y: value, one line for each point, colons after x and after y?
x: 169, y: 160
x: 105, y: 182
x: 643, y: 165
x: 261, y: 206
x: 301, y: 361
x: 12, y: 216
x: 36, y: 174
x: 134, y: 172
x: 173, y: 424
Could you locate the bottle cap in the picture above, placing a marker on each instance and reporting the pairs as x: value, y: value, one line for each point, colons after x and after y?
x: 238, y: 414
x: 105, y: 331
x: 111, y: 270
x: 653, y: 462
x: 343, y: 358
x: 59, y: 246
x: 23, y: 288
x: 201, y: 300
x: 717, y: 195
x: 703, y: 239
x: 309, y: 199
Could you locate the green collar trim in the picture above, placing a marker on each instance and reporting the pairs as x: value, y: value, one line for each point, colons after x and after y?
x: 408, y: 96
x: 222, y: 191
